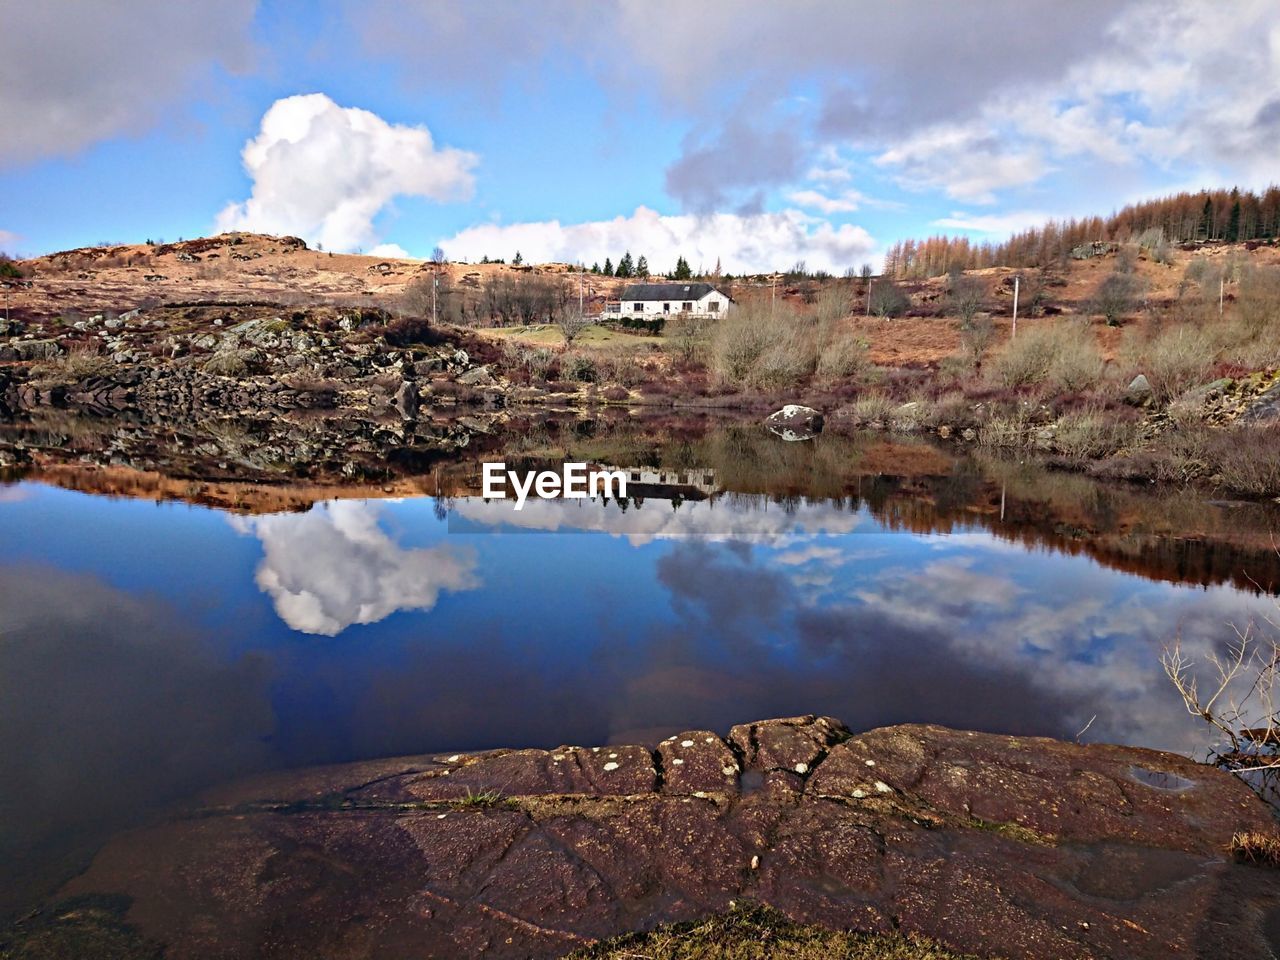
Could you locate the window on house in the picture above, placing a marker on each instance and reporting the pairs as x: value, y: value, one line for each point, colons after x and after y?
x: 686, y: 306
x: 713, y: 306
x: 666, y: 308
x: 638, y: 307
x: 614, y: 308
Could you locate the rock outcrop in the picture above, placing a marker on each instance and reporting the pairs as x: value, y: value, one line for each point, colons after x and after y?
x: 993, y: 845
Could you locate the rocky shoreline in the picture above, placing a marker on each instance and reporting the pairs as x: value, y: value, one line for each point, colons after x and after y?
x: 989, y: 845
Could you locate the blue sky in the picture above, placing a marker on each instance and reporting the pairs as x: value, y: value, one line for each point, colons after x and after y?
x: 755, y: 133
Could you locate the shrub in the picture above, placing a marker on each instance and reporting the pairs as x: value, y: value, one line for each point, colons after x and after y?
x: 1173, y: 359
x: 689, y: 337
x: 1062, y: 355
x: 578, y: 368
x: 1247, y: 460
x: 8, y: 268
x: 1258, y: 299
x: 408, y: 331
x: 888, y: 299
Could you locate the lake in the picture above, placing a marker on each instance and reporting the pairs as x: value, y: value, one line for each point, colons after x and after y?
x: 159, y: 636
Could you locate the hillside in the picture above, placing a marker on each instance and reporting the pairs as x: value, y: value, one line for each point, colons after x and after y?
x: 1131, y: 360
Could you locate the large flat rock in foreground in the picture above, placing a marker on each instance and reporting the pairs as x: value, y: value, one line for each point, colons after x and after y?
x: 993, y: 845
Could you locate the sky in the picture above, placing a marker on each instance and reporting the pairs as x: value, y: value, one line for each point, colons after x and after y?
x: 752, y: 133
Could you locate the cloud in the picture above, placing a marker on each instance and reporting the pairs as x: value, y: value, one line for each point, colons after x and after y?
x: 334, y: 566
x: 72, y: 73
x: 997, y: 223
x: 393, y: 250
x: 741, y: 242
x: 325, y: 172
x: 847, y: 202
x: 8, y: 241
x: 965, y: 162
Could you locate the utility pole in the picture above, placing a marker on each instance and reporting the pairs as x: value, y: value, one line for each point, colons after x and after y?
x: 1017, y: 283
x: 435, y: 282
x: 1222, y: 293
x: 773, y: 294
x: 580, y: 279
x: 869, y: 282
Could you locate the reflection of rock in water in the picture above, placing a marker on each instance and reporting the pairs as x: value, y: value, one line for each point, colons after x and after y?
x: 990, y: 844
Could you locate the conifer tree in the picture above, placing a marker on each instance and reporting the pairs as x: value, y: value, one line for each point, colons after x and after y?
x: 608, y: 267
x: 642, y: 267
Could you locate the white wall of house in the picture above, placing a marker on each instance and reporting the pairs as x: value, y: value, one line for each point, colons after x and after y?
x: 712, y: 304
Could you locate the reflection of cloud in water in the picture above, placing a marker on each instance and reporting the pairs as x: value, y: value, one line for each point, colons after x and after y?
x: 14, y: 493
x: 335, y: 566
x: 721, y: 518
x: 970, y: 640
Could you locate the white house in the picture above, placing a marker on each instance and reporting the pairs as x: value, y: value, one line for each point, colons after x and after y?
x: 655, y: 299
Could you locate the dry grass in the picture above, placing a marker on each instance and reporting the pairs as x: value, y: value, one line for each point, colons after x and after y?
x: 1262, y: 849
x: 1008, y: 429
x: 80, y: 362
x: 760, y: 933
x: 870, y: 408
x: 1091, y: 434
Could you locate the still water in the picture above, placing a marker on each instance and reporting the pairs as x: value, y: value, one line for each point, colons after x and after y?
x: 149, y: 650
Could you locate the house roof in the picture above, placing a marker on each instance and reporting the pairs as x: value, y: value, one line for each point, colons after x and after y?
x: 666, y: 291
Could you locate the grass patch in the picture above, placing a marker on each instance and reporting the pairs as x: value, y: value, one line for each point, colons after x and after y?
x: 1262, y: 849
x: 759, y: 933
x: 483, y: 800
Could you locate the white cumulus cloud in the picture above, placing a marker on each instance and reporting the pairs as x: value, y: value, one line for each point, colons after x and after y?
x: 324, y: 172
x: 335, y: 566
x: 741, y: 242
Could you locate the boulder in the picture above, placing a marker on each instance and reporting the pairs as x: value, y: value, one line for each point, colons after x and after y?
x: 476, y: 377
x: 406, y: 400
x: 1264, y: 408
x: 37, y: 349
x: 1139, y: 391
x: 795, y: 422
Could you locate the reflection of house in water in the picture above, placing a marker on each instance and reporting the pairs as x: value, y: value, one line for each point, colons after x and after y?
x: 695, y: 483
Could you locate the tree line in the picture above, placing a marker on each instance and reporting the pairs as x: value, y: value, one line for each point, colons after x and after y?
x: 1228, y: 216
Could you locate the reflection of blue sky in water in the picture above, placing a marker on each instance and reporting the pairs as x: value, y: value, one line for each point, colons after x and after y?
x: 359, y: 629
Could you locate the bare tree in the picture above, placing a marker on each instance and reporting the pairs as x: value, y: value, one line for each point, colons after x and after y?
x: 571, y: 322
x: 976, y: 337
x: 1238, y: 695
x: 438, y: 257
x: 1117, y: 295
x: 965, y: 294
